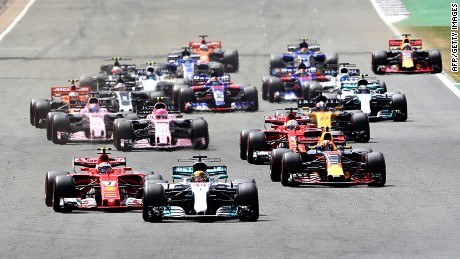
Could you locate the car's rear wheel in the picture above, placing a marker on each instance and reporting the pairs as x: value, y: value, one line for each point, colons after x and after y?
x: 122, y: 131
x: 185, y: 96
x: 275, y: 163
x: 60, y: 128
x: 232, y: 58
x: 435, y: 60
x: 244, y: 134
x: 291, y: 164
x: 200, y: 134
x: 41, y: 109
x: 379, y: 58
x: 274, y: 85
x: 256, y: 142
x: 251, y: 96
x: 360, y: 127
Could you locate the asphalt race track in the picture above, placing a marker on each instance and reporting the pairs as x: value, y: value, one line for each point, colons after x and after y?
x: 415, y: 215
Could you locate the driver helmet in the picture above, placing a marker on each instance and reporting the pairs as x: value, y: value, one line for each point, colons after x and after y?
x: 120, y: 87
x: 204, y: 47
x: 327, y: 145
x: 161, y: 114
x: 93, y: 105
x: 116, y: 70
x: 73, y: 94
x: 303, y: 46
x: 344, y: 77
x: 199, y: 176
x: 214, y: 80
x: 150, y: 69
x: 301, y: 72
x: 406, y: 46
x: 321, y: 106
x: 104, y: 168
x: 292, y: 124
x: 363, y: 89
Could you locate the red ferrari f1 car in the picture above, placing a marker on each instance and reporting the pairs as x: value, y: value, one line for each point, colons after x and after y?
x: 105, y: 183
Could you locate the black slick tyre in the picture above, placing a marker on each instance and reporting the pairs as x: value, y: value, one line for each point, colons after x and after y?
x: 248, y: 197
x: 360, y: 127
x: 291, y: 164
x: 154, y: 197
x: 275, y: 163
x: 244, y: 134
x: 200, y: 134
x: 256, y: 142
x: 375, y: 164
x: 64, y: 187
x: 49, y: 186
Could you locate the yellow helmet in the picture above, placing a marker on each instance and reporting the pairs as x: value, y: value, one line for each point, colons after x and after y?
x: 199, y: 176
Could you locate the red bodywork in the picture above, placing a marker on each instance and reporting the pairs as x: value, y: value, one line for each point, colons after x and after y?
x: 110, y: 190
x: 298, y: 139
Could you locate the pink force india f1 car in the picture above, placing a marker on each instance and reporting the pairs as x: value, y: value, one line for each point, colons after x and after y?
x: 160, y: 129
x: 92, y: 123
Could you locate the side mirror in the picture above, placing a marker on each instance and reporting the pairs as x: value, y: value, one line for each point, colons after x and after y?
x: 84, y: 169
x: 176, y: 177
x: 127, y: 168
x: 222, y: 176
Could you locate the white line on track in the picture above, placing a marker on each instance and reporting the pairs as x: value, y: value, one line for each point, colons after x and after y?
x: 17, y: 19
x: 389, y: 22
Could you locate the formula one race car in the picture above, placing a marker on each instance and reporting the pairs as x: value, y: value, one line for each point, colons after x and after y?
x: 256, y: 145
x: 206, y: 51
x: 63, y: 99
x: 160, y: 130
x: 93, y: 123
x: 406, y: 56
x: 216, y: 95
x: 290, y: 83
x: 105, y: 183
x: 305, y: 51
x: 328, y: 163
x: 110, y: 75
x: 200, y: 194
x: 370, y: 96
x: 323, y: 114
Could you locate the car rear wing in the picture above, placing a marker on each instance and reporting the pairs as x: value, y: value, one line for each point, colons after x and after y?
x: 211, y: 44
x: 311, y: 103
x: 144, y: 110
x: 65, y: 90
x: 92, y: 161
x: 316, y: 136
x: 395, y: 44
x: 210, y: 171
x: 280, y: 120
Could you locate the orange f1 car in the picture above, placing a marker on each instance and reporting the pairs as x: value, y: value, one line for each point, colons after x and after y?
x: 406, y: 56
x: 63, y: 98
x: 210, y: 51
